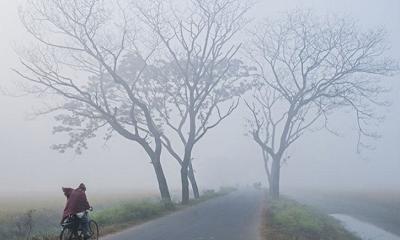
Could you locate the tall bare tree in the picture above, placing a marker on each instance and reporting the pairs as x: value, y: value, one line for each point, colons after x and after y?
x: 308, y: 68
x: 203, y: 78
x: 77, y: 56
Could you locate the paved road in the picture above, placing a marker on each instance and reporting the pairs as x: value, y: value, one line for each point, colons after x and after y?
x: 233, y: 217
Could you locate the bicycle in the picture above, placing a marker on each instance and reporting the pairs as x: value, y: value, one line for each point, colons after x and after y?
x: 71, y: 229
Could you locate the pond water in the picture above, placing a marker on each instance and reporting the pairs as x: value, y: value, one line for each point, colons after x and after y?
x: 364, y: 230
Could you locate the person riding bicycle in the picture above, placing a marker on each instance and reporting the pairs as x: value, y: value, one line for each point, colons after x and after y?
x: 77, y: 204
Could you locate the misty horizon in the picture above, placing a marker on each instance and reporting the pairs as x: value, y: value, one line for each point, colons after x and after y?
x: 225, y: 157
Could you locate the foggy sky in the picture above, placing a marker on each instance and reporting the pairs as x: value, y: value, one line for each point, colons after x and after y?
x: 223, y: 157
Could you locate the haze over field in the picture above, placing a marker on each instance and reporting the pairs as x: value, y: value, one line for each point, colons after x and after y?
x: 224, y: 157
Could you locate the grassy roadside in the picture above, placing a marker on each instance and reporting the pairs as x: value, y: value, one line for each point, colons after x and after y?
x: 289, y: 220
x: 125, y: 215
x: 378, y: 207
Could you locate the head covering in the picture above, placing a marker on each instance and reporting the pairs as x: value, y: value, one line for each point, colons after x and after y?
x: 82, y: 187
x: 67, y: 191
x: 76, y: 203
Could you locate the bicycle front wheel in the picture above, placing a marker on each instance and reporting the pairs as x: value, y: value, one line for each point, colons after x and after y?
x: 66, y: 234
x: 94, y: 230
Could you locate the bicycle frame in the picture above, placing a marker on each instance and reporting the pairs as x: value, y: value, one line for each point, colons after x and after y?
x: 73, y: 224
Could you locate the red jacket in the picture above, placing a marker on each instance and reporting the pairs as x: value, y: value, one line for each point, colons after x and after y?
x: 76, y: 202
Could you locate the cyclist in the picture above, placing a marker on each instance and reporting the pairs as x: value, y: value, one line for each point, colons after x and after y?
x: 77, y: 204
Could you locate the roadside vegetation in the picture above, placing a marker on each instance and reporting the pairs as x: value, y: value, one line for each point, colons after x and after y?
x: 381, y: 208
x: 286, y: 219
x: 112, y: 216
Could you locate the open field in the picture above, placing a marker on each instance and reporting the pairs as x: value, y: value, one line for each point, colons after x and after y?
x: 42, y: 213
x: 39, y: 217
x: 289, y: 220
x: 380, y: 208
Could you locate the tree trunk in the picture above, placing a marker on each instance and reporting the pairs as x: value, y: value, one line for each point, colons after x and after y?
x: 185, y: 185
x: 162, y: 181
x: 187, y: 158
x: 266, y: 166
x: 275, y: 177
x: 268, y: 174
x: 193, y: 182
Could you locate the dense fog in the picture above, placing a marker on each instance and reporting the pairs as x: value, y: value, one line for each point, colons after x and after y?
x: 225, y: 156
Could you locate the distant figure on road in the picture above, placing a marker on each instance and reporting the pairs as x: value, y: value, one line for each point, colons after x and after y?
x: 257, y: 185
x: 77, y: 204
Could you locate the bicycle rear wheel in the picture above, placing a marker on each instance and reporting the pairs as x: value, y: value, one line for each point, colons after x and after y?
x: 66, y: 234
x: 94, y: 230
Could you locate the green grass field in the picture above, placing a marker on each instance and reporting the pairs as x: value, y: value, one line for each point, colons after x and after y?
x: 289, y: 220
x: 37, y: 214
x: 380, y: 208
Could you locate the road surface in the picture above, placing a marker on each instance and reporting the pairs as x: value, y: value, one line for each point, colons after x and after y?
x: 235, y: 216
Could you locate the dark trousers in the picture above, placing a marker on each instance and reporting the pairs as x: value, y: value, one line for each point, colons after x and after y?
x: 84, y: 224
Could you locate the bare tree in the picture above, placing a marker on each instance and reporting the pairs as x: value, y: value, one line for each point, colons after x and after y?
x: 307, y: 68
x: 202, y: 77
x: 77, y: 61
